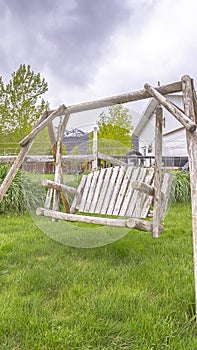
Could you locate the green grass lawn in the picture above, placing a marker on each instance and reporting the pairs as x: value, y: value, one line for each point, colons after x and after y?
x: 137, y: 293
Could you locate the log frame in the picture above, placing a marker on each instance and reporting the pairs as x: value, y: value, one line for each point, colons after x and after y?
x: 58, y: 166
x: 176, y: 112
x: 18, y: 161
x: 192, y: 155
x: 158, y: 171
x: 124, y: 98
x: 50, y: 116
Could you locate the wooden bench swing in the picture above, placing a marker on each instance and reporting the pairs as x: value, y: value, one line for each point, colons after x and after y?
x: 120, y: 196
x: 125, y: 193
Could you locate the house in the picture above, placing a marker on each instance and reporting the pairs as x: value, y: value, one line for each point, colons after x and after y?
x: 174, y: 137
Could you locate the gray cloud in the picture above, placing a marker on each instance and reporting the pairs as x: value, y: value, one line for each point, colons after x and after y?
x: 70, y: 38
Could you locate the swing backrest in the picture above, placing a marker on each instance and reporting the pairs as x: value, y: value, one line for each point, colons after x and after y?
x: 109, y: 191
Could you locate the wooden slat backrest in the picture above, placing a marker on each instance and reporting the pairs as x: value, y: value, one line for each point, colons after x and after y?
x: 109, y: 191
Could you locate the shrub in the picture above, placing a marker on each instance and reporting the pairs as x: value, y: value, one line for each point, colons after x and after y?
x: 13, y: 201
x: 181, y: 187
x: 23, y: 194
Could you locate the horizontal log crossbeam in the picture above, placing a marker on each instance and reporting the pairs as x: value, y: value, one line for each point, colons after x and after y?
x: 124, y: 98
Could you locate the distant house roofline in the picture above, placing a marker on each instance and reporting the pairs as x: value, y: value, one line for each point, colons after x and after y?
x: 147, y: 113
x: 172, y: 131
x: 150, y: 107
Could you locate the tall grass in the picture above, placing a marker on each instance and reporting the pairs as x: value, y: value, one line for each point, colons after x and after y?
x: 13, y: 201
x: 24, y: 193
x: 181, y: 187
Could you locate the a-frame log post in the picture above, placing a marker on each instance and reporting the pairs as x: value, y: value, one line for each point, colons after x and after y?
x: 52, y: 139
x: 53, y: 143
x: 18, y: 161
x: 187, y: 86
x: 158, y: 172
x: 60, y: 111
x: 58, y: 165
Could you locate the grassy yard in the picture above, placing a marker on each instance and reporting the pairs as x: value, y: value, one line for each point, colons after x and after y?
x: 136, y: 294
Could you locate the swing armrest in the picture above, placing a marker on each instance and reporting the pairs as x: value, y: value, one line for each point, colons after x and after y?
x: 59, y: 187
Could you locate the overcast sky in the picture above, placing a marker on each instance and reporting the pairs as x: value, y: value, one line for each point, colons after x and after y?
x: 89, y: 49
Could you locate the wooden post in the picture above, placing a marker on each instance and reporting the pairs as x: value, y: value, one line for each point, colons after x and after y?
x: 95, y: 150
x: 192, y: 155
x: 18, y: 162
x: 59, y: 111
x: 195, y: 101
x: 52, y: 139
x: 54, y: 150
x: 158, y: 172
x: 58, y: 166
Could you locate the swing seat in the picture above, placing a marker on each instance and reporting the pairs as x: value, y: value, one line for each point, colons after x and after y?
x: 116, y: 196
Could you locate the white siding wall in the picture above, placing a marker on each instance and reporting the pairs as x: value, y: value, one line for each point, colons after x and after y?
x: 147, y: 136
x: 174, y: 144
x: 171, y: 123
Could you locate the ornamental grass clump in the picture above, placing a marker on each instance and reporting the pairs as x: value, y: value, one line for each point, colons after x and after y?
x: 13, y: 201
x: 181, y: 187
x: 24, y: 193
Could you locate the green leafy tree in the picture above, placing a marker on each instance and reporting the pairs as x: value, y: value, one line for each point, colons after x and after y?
x: 21, y: 104
x: 114, y: 131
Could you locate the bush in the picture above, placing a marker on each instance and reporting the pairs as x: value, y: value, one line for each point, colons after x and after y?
x: 24, y: 193
x: 13, y: 201
x: 181, y: 187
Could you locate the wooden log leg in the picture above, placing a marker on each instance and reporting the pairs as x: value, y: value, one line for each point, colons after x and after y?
x: 59, y: 111
x: 165, y: 193
x: 194, y: 100
x: 158, y: 174
x: 47, y: 203
x: 58, y: 165
x: 52, y: 139
x: 192, y: 155
x: 18, y: 162
x: 56, y: 195
x: 64, y: 198
x: 54, y: 150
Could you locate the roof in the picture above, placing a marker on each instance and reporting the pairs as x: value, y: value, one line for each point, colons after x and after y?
x: 147, y: 113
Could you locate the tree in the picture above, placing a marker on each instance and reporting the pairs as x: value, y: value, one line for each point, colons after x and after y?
x: 114, y: 131
x: 21, y: 104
